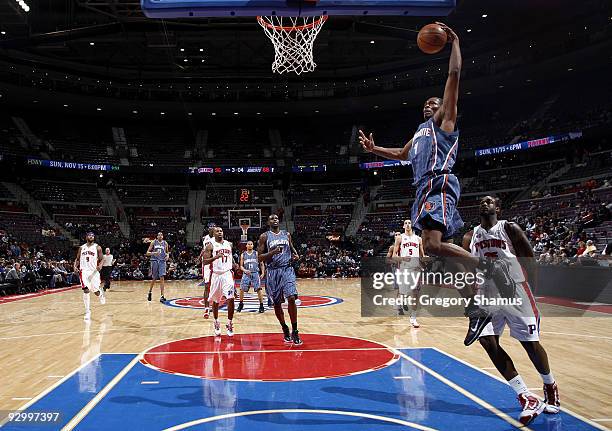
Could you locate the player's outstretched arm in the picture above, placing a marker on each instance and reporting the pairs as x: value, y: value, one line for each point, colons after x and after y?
x: 367, y: 142
x: 77, y: 259
x: 446, y: 116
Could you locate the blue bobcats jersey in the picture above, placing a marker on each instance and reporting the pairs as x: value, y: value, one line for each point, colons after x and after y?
x: 433, y: 150
x: 282, y: 239
x: 249, y: 261
x: 158, y: 246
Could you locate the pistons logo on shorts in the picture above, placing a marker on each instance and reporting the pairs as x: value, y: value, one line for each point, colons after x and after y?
x: 429, y: 206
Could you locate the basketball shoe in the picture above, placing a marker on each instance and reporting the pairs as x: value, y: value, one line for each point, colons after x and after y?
x: 217, y: 327
x: 286, y: 335
x: 230, y: 329
x: 206, y: 313
x: 479, y: 318
x: 532, y: 407
x: 551, y: 398
x: 295, y: 337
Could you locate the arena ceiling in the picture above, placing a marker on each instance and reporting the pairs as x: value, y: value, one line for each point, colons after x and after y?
x: 114, y: 40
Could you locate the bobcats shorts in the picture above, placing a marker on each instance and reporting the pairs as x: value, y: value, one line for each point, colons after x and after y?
x: 249, y: 280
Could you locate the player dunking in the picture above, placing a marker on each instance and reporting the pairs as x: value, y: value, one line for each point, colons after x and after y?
x: 275, y: 248
x: 159, y: 253
x: 409, y: 247
x: 505, y: 240
x: 252, y: 272
x: 88, y: 263
x: 206, y: 268
x: 218, y: 254
x: 432, y: 152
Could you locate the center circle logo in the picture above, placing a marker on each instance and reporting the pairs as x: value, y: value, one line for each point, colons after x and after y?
x: 251, y: 302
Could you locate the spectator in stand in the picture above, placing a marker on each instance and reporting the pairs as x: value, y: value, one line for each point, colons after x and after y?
x: 581, y: 248
x: 15, y: 278
x: 590, y: 249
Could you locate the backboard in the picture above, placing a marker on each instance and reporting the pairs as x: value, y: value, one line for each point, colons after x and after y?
x: 230, y: 8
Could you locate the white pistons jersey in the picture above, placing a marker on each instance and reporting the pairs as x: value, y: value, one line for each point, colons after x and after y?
x: 89, y: 257
x: 410, y: 246
x: 207, y: 240
x: 495, y: 243
x: 224, y: 263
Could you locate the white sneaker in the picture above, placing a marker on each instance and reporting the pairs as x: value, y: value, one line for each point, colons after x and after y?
x: 217, y: 327
x: 414, y: 322
x: 102, y: 298
x: 532, y: 407
x: 230, y: 329
x: 87, y: 316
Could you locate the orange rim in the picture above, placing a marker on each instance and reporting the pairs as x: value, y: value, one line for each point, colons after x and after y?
x: 315, y: 23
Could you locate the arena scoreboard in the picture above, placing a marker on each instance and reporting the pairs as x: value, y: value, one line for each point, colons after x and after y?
x: 231, y: 170
x: 244, y: 196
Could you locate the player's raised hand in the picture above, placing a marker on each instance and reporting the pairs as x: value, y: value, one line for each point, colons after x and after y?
x: 367, y: 142
x: 452, y: 36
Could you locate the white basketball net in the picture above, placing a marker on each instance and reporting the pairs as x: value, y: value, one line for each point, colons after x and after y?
x: 293, y: 39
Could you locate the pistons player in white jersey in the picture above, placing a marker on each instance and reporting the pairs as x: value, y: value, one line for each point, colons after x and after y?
x: 501, y: 239
x: 409, y: 248
x: 88, y: 263
x: 206, y: 268
x: 218, y: 254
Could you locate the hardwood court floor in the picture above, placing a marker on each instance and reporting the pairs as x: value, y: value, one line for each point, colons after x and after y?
x: 45, y: 338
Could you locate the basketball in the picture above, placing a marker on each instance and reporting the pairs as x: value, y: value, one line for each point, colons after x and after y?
x: 431, y: 39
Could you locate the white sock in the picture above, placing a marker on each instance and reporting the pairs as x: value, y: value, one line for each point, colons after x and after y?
x: 413, y: 314
x: 518, y: 385
x: 548, y: 378
x: 86, y: 301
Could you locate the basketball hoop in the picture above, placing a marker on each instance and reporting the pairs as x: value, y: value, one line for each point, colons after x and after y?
x: 293, y: 39
x: 245, y: 224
